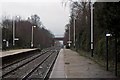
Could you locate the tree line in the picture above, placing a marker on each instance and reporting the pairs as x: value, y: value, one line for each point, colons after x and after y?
x: 106, y: 19
x: 42, y: 37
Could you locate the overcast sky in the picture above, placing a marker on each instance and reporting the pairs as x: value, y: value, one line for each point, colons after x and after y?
x: 52, y: 14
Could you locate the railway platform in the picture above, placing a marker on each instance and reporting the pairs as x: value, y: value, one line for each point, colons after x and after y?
x: 70, y: 64
x: 13, y: 52
x: 58, y: 69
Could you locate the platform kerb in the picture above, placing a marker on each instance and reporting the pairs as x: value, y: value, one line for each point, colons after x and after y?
x: 58, y: 69
x: 13, y: 52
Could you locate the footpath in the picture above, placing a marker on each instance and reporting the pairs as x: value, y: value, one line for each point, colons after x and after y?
x: 70, y: 64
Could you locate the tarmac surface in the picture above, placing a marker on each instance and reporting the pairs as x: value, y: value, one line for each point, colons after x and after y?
x: 70, y: 64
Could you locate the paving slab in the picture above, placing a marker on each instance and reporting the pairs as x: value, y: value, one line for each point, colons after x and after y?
x: 71, y: 65
x: 77, y: 66
x: 12, y: 52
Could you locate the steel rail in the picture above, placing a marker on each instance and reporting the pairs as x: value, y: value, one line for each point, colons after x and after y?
x: 3, y: 75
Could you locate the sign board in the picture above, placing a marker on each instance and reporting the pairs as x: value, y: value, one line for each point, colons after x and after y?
x: 69, y: 44
x: 69, y: 41
x: 16, y: 39
x: 108, y: 35
x: 7, y: 44
x: 4, y: 39
x: 91, y: 45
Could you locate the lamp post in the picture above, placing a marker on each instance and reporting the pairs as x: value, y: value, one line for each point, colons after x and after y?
x: 69, y: 42
x: 69, y: 33
x: 6, y: 43
x: 107, y: 67
x: 14, y: 30
x: 116, y: 56
x: 32, y: 36
x: 107, y: 35
x: 92, y: 32
x: 74, y: 32
x: 6, y: 37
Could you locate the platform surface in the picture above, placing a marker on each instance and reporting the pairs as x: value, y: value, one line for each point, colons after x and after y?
x: 58, y: 69
x: 70, y: 64
x: 12, y: 52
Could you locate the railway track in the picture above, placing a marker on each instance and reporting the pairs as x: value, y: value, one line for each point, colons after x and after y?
x: 4, y: 64
x: 44, y: 69
x: 15, y: 62
x: 37, y: 66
